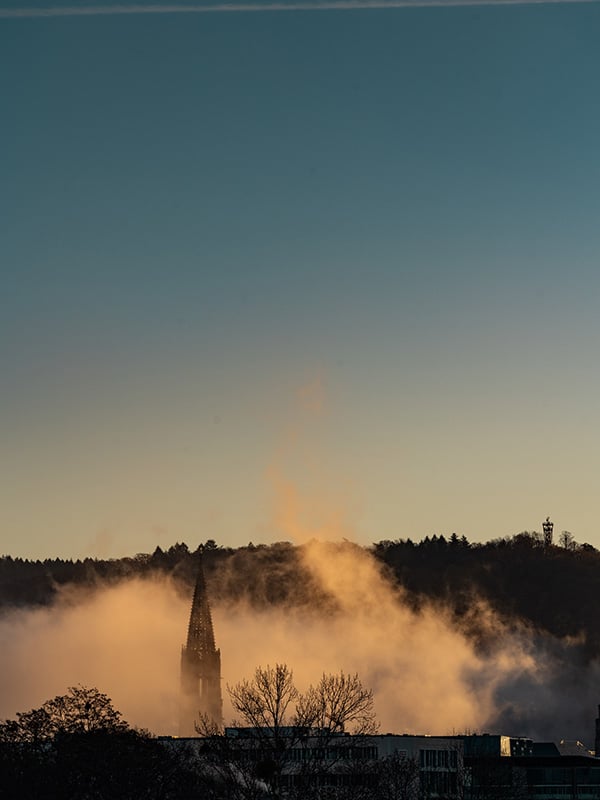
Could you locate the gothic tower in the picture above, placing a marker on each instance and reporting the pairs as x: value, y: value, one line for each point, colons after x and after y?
x: 200, y: 665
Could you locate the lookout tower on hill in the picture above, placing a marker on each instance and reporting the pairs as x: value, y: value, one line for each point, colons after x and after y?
x: 547, y: 527
x: 200, y: 665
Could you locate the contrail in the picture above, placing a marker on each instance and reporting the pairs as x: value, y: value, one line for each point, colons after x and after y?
x: 294, y: 5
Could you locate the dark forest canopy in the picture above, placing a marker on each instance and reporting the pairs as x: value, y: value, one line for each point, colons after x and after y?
x: 552, y: 588
x: 77, y: 746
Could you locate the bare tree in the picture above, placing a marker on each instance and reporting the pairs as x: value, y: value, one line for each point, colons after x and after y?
x: 265, y: 705
x: 567, y: 540
x: 305, y: 733
x: 263, y: 702
x: 336, y: 702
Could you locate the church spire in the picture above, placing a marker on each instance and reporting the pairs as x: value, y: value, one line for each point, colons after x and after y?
x: 200, y: 665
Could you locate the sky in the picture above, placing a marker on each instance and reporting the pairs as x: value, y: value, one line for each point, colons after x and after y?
x: 348, y: 254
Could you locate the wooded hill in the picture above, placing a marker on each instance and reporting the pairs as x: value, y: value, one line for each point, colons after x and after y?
x: 554, y: 589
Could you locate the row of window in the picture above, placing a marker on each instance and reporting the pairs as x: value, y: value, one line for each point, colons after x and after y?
x: 302, y: 754
x: 331, y: 753
x: 445, y: 759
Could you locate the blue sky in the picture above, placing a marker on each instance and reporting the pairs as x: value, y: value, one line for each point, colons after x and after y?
x: 206, y: 217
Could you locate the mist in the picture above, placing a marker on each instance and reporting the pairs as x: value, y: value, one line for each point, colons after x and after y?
x: 428, y: 672
x: 124, y: 640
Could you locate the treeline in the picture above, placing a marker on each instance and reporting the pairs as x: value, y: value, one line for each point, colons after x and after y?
x: 261, y: 575
x: 552, y: 588
x: 77, y: 747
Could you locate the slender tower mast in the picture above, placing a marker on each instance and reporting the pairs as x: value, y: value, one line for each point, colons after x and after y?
x: 200, y: 665
x: 547, y: 527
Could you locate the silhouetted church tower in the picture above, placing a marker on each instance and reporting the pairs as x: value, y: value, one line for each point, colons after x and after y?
x: 200, y: 665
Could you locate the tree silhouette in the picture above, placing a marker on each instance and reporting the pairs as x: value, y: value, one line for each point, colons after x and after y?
x: 285, y: 726
x: 77, y: 747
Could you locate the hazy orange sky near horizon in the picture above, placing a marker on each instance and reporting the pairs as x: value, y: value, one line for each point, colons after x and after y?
x: 324, y: 496
x: 353, y: 253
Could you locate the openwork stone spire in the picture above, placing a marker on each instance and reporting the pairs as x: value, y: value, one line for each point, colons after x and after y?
x: 200, y: 665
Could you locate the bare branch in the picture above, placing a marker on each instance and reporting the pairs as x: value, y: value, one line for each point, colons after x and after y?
x: 336, y: 702
x: 263, y: 702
